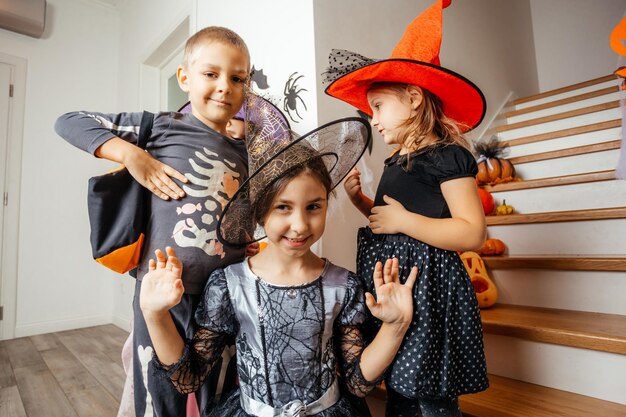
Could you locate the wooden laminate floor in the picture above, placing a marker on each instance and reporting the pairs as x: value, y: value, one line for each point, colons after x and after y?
x: 75, y: 373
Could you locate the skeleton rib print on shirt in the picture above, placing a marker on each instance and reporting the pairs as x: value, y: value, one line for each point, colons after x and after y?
x: 216, y: 181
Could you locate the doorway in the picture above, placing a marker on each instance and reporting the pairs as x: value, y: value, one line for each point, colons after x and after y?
x: 12, y: 88
x: 159, y: 89
x: 5, y: 102
x: 172, y: 97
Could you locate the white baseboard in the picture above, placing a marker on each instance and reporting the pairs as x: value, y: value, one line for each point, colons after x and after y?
x: 24, y: 330
x: 122, y: 322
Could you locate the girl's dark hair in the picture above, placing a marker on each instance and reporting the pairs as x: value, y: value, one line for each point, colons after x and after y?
x: 314, y: 167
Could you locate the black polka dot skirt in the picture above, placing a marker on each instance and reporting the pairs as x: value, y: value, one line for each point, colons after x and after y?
x: 442, y: 354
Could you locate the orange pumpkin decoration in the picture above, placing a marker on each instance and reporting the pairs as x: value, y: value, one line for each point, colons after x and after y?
x: 492, y: 167
x: 486, y: 291
x: 487, y: 201
x: 492, y: 247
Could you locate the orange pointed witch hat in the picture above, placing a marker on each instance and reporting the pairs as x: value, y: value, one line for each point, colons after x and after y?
x: 415, y: 60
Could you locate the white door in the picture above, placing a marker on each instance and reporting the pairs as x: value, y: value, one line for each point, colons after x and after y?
x: 5, y: 83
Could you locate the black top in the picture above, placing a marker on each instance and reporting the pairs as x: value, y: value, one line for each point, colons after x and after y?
x: 418, y: 186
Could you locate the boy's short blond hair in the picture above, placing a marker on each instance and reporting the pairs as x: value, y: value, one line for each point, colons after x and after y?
x: 213, y: 34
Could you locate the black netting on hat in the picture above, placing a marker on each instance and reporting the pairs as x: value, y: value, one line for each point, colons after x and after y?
x: 342, y: 62
x: 274, y: 150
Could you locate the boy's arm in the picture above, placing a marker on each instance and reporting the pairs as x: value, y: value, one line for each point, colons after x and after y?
x: 147, y: 171
x: 89, y: 130
x: 113, y: 137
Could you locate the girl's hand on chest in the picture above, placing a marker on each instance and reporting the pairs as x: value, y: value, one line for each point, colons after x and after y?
x: 388, y: 219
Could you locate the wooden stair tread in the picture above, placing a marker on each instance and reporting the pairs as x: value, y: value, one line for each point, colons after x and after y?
x: 559, y: 216
x: 585, y: 330
x: 593, y: 127
x: 572, y: 87
x: 558, y: 262
x: 560, y: 153
x: 567, y: 100
x: 507, y: 397
x: 553, y: 181
x: 559, y: 116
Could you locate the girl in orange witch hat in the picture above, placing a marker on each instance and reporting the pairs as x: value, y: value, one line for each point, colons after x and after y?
x: 426, y: 209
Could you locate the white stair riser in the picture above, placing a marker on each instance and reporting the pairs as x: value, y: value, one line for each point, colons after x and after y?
x: 570, y: 122
x: 582, y: 139
x: 572, y: 93
x: 593, y: 291
x: 602, y: 194
x: 591, y: 237
x: 582, y: 371
x: 567, y: 107
x: 568, y: 165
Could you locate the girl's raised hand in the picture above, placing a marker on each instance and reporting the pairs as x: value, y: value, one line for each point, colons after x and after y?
x: 162, y: 287
x: 395, y: 301
x: 352, y: 184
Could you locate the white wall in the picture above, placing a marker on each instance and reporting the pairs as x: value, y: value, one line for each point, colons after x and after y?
x: 73, y: 66
x: 488, y: 41
x: 280, y: 37
x: 572, y: 39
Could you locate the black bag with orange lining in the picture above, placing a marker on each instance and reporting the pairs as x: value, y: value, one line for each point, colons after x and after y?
x: 118, y: 212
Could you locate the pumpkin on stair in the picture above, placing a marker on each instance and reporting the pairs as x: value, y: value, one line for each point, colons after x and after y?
x: 492, y: 247
x: 487, y: 201
x: 486, y: 291
x: 504, y: 209
x: 493, y: 168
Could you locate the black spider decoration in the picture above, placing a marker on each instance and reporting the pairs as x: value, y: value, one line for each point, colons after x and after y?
x: 292, y: 95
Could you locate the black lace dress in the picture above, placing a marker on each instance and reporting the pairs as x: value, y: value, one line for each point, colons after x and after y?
x: 289, y: 342
x: 442, y: 353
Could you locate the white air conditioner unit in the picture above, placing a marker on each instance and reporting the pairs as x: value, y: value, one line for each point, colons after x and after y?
x: 23, y: 16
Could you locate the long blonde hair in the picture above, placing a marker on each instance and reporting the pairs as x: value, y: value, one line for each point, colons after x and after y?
x: 428, y: 118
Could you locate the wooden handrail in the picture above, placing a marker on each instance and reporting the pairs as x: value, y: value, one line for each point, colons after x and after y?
x: 565, y: 89
x: 568, y: 100
x: 552, y: 181
x: 559, y: 216
x: 560, y: 116
x: 557, y: 262
x: 594, y: 127
x: 560, y: 153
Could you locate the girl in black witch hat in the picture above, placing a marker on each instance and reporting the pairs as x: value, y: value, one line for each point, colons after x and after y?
x: 295, y: 316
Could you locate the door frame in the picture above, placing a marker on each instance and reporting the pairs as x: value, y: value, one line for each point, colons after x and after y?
x: 170, y: 44
x: 10, y: 234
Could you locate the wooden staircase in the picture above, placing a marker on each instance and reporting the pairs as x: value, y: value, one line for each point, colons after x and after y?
x: 556, y: 341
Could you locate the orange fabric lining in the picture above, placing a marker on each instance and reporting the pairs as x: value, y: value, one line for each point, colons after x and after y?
x: 123, y: 259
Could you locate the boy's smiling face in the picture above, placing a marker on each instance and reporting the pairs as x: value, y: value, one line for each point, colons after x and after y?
x: 214, y: 80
